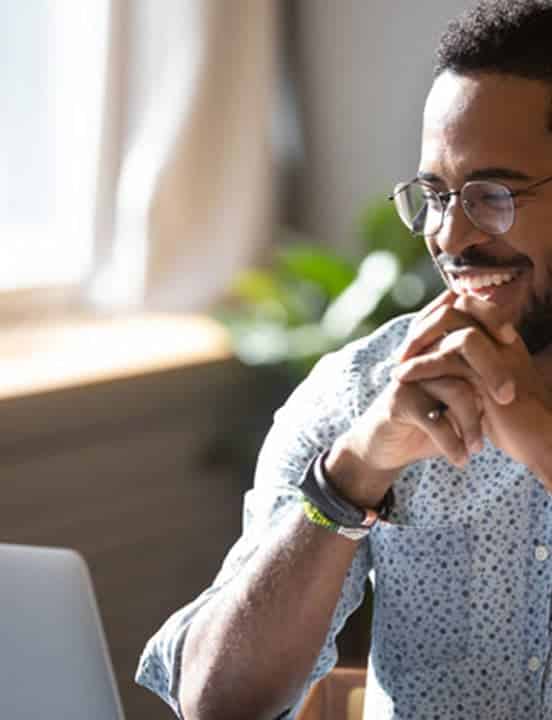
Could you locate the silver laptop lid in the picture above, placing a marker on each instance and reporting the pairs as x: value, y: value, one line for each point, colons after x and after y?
x: 54, y: 661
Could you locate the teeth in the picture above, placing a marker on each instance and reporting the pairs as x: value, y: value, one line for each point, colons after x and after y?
x: 476, y: 282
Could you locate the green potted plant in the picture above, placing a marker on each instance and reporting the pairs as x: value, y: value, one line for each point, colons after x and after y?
x: 310, y: 300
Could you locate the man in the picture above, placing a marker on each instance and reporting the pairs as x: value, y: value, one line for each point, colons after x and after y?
x: 452, y: 409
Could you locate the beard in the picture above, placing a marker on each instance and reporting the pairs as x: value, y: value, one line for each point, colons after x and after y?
x: 535, y: 326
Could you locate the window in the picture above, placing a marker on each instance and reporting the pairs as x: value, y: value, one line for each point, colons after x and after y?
x: 52, y: 72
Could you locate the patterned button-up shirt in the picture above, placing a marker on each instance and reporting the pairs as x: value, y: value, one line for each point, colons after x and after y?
x: 462, y: 571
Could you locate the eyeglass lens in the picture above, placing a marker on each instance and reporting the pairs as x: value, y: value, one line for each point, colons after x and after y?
x: 488, y: 205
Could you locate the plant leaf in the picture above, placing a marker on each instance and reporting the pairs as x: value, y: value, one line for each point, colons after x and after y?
x: 330, y: 272
x: 382, y: 229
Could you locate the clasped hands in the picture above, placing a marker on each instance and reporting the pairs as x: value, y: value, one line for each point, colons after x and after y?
x: 459, y: 352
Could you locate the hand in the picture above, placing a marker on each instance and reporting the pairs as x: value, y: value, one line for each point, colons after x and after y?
x: 396, y: 431
x: 515, y: 401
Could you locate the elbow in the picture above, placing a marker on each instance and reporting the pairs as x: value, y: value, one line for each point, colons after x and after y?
x: 201, y: 696
x: 215, y: 685
x: 189, y: 706
x: 203, y: 701
x: 195, y: 700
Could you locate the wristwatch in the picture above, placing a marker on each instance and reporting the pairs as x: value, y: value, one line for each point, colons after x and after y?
x: 318, y: 490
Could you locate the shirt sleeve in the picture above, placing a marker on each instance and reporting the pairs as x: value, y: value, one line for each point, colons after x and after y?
x: 320, y: 409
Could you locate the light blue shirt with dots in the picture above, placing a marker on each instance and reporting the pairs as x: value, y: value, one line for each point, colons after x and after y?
x: 462, y: 571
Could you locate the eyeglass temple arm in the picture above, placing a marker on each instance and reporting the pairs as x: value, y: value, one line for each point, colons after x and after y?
x: 514, y: 193
x: 401, y: 186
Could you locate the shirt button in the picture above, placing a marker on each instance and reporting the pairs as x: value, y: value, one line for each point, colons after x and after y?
x: 534, y: 664
x: 541, y: 553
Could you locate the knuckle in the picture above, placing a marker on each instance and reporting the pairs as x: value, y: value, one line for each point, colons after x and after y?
x: 396, y: 400
x: 452, y: 390
x: 444, y: 313
x: 471, y: 338
x: 449, y: 355
x: 463, y: 303
x: 458, y: 390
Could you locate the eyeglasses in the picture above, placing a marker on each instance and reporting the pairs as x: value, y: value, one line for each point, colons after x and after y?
x: 489, y: 205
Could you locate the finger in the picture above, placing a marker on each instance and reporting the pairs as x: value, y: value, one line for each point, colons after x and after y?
x: 436, y: 364
x: 485, y: 359
x: 412, y: 405
x: 462, y: 409
x: 467, y: 354
x: 489, y: 315
x: 448, y: 297
x: 445, y: 298
x: 443, y: 435
x: 445, y: 320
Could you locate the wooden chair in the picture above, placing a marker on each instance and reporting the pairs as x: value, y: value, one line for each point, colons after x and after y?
x: 338, y: 696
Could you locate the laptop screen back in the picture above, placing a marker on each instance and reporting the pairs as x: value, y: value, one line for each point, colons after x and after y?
x: 54, y: 661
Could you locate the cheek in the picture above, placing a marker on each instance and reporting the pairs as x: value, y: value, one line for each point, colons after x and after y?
x: 538, y: 248
x: 534, y: 231
x: 539, y: 276
x: 532, y: 236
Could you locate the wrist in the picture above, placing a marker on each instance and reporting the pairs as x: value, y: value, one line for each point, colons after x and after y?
x: 325, y: 506
x: 354, y: 479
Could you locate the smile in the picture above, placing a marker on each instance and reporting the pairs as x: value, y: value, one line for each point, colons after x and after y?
x: 488, y: 284
x: 476, y: 282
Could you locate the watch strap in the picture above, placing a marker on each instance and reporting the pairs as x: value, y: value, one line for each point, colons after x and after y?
x: 317, y: 488
x: 316, y: 517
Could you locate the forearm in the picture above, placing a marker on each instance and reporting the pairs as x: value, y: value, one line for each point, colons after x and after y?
x: 249, y: 652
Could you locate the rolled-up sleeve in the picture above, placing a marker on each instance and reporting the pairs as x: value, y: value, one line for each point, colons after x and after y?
x: 320, y: 409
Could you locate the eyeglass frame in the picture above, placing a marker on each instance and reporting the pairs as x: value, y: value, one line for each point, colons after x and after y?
x: 444, y: 198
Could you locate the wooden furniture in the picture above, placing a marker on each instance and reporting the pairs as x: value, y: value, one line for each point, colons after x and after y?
x: 338, y: 696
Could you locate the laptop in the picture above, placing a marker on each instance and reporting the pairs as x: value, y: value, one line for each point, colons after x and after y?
x: 54, y: 661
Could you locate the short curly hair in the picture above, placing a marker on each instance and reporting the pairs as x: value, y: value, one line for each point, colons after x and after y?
x: 512, y: 37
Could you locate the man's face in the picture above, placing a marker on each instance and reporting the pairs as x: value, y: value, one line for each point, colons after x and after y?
x: 495, y: 127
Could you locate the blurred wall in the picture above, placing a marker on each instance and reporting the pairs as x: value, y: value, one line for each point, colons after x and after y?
x: 360, y: 71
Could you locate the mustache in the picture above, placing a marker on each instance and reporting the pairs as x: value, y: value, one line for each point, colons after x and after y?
x: 472, y: 257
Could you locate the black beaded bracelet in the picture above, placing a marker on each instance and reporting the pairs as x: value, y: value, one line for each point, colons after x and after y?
x: 317, y: 487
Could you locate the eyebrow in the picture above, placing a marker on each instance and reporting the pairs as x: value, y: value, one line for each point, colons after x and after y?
x: 488, y: 173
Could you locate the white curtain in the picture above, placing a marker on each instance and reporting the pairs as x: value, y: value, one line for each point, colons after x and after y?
x: 184, y: 195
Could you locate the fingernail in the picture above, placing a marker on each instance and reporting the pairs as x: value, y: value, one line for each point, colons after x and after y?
x: 370, y: 518
x: 399, y: 352
x: 506, y: 393
x: 476, y: 446
x: 395, y: 357
x: 508, y: 333
x: 399, y: 372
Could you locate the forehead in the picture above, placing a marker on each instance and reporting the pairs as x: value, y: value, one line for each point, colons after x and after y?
x: 486, y: 120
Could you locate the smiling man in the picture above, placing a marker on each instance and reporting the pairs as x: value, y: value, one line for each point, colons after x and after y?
x: 421, y: 455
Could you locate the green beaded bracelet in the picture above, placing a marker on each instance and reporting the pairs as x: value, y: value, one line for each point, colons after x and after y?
x: 316, y: 517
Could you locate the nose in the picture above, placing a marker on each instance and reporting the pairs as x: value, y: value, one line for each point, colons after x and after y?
x: 457, y: 231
